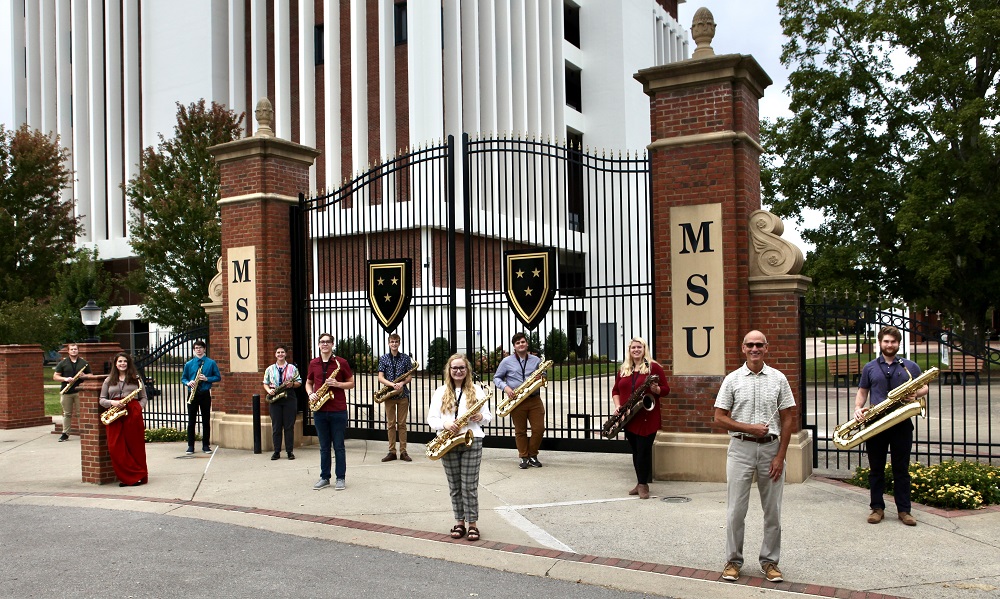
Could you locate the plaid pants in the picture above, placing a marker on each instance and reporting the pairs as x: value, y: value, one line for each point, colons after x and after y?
x: 461, y: 468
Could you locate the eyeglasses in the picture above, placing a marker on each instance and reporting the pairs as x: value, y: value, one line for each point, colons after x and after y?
x: 457, y: 367
x: 325, y: 342
x: 754, y: 345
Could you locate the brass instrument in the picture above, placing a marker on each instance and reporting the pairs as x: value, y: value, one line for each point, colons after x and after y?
x: 324, y: 393
x: 525, y: 390
x: 895, y: 409
x: 68, y: 385
x: 194, y: 388
x: 388, y: 391
x: 639, y: 400
x: 280, y: 391
x: 446, y: 440
x: 115, y: 412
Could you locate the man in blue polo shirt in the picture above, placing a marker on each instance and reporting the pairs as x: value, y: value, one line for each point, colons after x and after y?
x: 201, y: 384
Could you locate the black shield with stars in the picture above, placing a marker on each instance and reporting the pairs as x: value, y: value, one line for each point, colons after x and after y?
x: 390, y: 287
x: 530, y: 283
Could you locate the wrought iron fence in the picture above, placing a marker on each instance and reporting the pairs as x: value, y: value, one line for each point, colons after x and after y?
x: 161, y: 370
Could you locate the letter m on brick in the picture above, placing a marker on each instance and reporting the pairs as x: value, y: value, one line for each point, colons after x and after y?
x: 699, y: 242
x: 241, y: 273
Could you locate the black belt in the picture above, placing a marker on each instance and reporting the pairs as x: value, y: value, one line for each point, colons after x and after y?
x: 764, y: 439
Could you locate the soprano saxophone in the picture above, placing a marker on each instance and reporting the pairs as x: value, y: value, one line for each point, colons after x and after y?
x: 324, y: 393
x: 115, y: 412
x: 68, y: 385
x: 890, y: 412
x: 446, y: 440
x: 197, y: 383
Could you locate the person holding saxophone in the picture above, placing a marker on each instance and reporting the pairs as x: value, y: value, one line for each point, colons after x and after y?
x: 279, y: 379
x: 640, y: 432
x: 512, y: 371
x: 392, y: 366
x: 199, y: 374
x: 450, y: 402
x: 126, y: 434
x: 333, y: 376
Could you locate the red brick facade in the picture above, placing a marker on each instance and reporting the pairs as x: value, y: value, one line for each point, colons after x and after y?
x: 95, y: 460
x: 22, y: 401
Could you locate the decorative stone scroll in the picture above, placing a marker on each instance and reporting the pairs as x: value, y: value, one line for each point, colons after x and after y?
x: 215, y: 285
x: 770, y: 255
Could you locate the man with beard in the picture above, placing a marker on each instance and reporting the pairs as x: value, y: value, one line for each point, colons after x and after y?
x: 878, y: 378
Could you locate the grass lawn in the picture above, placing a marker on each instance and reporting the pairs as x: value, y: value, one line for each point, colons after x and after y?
x: 52, y: 406
x: 562, y: 372
x: 816, y: 368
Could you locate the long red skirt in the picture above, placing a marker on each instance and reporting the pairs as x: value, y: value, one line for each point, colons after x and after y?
x: 127, y: 446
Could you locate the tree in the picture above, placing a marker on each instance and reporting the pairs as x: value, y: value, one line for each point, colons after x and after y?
x: 38, y: 227
x: 895, y: 140
x: 85, y: 278
x: 556, y: 346
x: 176, y: 197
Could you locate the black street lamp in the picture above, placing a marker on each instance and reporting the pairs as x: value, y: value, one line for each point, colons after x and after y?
x: 90, y: 316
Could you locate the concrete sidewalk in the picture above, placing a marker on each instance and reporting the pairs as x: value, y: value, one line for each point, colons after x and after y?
x: 570, y: 520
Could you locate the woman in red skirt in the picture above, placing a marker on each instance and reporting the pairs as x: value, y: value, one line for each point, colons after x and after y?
x: 127, y: 434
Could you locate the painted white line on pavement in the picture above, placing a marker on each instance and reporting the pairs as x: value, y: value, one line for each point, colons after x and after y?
x: 536, y: 533
x: 565, y: 503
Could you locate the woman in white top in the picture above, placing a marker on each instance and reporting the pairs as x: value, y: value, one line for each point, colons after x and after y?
x: 461, y: 465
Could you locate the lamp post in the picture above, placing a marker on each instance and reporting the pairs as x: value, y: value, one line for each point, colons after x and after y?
x: 90, y: 316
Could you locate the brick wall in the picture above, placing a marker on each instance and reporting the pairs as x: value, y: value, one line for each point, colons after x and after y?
x: 95, y: 460
x: 22, y: 395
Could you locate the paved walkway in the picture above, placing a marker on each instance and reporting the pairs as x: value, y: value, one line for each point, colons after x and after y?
x: 570, y: 520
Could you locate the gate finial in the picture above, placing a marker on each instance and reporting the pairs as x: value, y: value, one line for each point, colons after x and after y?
x: 703, y: 30
x: 265, y: 117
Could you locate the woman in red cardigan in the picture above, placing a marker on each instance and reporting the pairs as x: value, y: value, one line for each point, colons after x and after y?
x: 640, y: 432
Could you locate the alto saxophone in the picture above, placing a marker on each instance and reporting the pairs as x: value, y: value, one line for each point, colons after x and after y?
x: 115, y: 412
x: 389, y: 391
x: 446, y: 440
x: 324, y: 393
x: 890, y: 412
x: 638, y: 401
x: 194, y: 388
x: 280, y: 391
x: 525, y: 390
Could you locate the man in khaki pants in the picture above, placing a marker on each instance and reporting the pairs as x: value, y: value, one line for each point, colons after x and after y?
x: 391, y: 366
x: 65, y: 370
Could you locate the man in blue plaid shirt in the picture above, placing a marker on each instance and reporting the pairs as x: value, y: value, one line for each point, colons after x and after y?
x: 391, y: 366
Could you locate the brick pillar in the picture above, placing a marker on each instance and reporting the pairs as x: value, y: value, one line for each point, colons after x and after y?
x: 709, y: 288
x: 22, y: 387
x: 95, y: 461
x: 261, y: 179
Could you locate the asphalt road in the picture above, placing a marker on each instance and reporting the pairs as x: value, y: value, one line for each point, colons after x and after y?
x: 90, y: 552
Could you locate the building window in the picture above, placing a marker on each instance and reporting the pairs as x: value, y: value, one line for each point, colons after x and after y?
x: 318, y: 43
x: 574, y: 181
x: 571, y: 23
x: 574, y: 89
x: 572, y: 276
x: 399, y: 19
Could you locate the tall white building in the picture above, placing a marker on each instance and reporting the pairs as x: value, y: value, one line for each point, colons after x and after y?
x: 358, y: 79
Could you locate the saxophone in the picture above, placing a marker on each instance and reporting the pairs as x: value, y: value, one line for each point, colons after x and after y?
x: 388, y: 391
x: 446, y: 440
x: 525, y: 390
x: 324, y: 393
x: 280, y: 391
x: 890, y: 412
x: 639, y: 400
x: 115, y: 412
x: 68, y: 385
x: 197, y: 383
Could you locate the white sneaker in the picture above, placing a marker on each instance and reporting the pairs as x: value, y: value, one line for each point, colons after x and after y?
x: 323, y: 482
x: 340, y: 486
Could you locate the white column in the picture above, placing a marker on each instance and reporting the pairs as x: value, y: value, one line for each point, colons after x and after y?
x: 502, y: 56
x: 532, y: 60
x: 282, y: 70
x: 258, y: 55
x: 49, y: 124
x: 307, y: 81
x: 387, y: 78
x: 18, y: 82
x: 426, y: 77
x: 131, y: 86
x: 550, y: 68
x: 331, y: 92
x: 487, y: 68
x: 81, y: 118
x: 114, y: 150
x: 64, y: 86
x: 558, y: 78
x: 237, y: 60
x: 98, y: 156
x: 359, y: 86
x: 33, y: 63
x: 471, y: 118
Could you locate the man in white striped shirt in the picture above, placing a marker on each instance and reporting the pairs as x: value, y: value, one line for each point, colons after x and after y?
x: 747, y: 405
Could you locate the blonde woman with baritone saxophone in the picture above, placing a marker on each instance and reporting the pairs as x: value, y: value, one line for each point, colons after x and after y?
x: 452, y: 402
x: 126, y: 434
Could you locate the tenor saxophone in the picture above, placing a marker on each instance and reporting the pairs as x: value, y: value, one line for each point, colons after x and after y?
x: 637, y: 402
x: 324, y: 393
x: 388, y: 391
x: 197, y: 383
x: 280, y: 391
x: 525, y: 390
x: 890, y: 412
x: 115, y: 412
x: 446, y: 440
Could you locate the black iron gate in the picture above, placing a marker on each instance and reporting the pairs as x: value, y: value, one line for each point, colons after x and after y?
x: 839, y: 338
x: 161, y: 370
x: 452, y: 214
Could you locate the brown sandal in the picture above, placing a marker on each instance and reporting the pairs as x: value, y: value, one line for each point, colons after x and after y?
x: 473, y: 533
x: 458, y: 531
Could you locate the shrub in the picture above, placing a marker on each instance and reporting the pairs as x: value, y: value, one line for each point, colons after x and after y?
x: 365, y: 364
x: 950, y: 484
x: 535, y: 344
x: 437, y: 355
x: 351, y: 349
x: 572, y: 356
x: 165, y: 435
x: 484, y: 361
x: 556, y: 346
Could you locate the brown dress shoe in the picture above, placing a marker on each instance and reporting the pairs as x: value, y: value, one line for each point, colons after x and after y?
x: 907, y: 519
x: 405, y: 457
x: 389, y: 457
x: 876, y: 516
x: 634, y: 491
x: 643, y: 491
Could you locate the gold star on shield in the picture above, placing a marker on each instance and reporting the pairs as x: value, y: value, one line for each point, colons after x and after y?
x: 536, y: 272
x: 527, y: 291
x: 520, y: 274
x: 395, y: 281
x: 387, y: 297
x: 380, y: 281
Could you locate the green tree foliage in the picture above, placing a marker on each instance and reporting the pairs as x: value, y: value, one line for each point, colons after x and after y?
x: 176, y: 193
x: 28, y: 322
x: 895, y: 140
x: 355, y: 350
x: 38, y: 227
x: 437, y: 355
x: 85, y: 278
x: 556, y: 346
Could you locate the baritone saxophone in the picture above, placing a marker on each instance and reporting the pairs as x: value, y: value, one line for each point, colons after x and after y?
x: 895, y: 409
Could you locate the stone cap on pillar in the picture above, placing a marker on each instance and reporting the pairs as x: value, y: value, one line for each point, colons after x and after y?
x: 691, y: 72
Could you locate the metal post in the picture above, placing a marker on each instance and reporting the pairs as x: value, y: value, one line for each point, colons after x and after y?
x: 256, y: 422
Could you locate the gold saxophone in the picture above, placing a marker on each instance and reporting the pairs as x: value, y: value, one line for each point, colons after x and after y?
x: 638, y: 401
x: 68, y: 385
x: 115, y: 412
x: 389, y: 391
x: 525, y: 390
x: 446, y: 440
x: 890, y: 412
x: 197, y: 383
x: 280, y: 391
x: 324, y: 393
